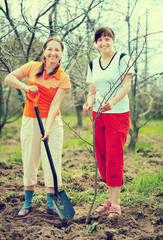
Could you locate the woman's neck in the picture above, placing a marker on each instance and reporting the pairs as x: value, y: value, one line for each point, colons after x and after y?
x: 107, y: 55
x: 50, y: 66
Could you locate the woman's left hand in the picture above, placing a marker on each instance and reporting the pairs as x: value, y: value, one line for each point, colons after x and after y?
x: 107, y: 106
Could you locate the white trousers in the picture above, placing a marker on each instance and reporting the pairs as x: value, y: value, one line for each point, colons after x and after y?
x: 33, y: 150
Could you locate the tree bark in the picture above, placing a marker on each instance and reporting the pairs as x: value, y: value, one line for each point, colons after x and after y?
x: 79, y: 110
x: 133, y: 138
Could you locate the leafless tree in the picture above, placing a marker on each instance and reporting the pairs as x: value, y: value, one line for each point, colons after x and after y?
x: 28, y: 33
x: 141, y: 82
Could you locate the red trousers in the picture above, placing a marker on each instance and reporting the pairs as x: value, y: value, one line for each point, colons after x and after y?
x: 111, y: 131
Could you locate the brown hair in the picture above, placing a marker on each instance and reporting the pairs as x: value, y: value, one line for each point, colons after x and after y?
x: 106, y: 31
x: 41, y: 70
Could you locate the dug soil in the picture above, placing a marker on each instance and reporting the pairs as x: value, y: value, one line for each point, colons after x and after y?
x: 139, y: 222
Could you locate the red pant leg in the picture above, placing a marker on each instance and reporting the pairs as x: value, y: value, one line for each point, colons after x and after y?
x: 116, y: 130
x: 100, y: 147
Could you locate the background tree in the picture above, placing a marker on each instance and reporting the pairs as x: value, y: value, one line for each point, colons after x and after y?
x: 22, y: 37
x: 141, y: 97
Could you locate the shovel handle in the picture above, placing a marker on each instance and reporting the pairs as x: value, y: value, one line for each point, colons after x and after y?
x: 48, y: 152
x: 32, y: 97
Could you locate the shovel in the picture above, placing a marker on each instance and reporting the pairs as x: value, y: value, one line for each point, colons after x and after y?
x: 59, y: 198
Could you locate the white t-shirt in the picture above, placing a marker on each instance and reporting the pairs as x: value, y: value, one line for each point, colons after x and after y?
x: 108, y: 82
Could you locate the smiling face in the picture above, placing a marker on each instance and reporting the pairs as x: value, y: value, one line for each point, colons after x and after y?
x: 53, y: 52
x: 105, y: 44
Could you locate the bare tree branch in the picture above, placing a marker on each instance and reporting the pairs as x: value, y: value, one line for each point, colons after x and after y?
x: 35, y: 24
x: 133, y: 8
x: 12, y: 25
x: 86, y: 13
x: 78, y: 135
x: 145, y: 35
x: 150, y: 103
x: 152, y: 76
x: 140, y: 126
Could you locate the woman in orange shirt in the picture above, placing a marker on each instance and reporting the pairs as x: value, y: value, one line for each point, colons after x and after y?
x: 51, y: 82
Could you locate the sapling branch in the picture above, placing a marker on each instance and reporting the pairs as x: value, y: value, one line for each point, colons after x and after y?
x: 77, y: 134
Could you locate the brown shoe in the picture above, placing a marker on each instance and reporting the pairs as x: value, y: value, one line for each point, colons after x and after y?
x: 24, y: 212
x: 51, y: 211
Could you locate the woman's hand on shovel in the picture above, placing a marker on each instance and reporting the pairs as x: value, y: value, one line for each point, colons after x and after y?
x: 32, y: 89
x: 46, y: 135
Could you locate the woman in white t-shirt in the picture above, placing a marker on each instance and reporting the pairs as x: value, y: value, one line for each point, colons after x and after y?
x: 109, y: 78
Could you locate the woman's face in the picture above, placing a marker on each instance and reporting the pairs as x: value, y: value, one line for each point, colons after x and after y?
x: 53, y: 52
x: 105, y: 44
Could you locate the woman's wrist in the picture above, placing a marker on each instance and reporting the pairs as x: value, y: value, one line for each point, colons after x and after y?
x: 89, y: 104
x: 113, y: 101
x: 26, y: 88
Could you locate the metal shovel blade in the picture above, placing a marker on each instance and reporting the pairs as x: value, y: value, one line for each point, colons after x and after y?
x: 63, y: 205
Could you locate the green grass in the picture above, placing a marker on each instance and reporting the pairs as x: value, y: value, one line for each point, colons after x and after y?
x: 85, y: 132
x: 6, y: 131
x: 145, y: 185
x: 75, y: 143
x: 11, y: 154
x: 72, y: 120
x: 152, y: 128
x: 148, y: 183
x: 144, y: 145
x: 12, y: 118
x: 16, y: 158
x: 147, y: 188
x: 78, y: 197
x: 144, y: 188
x: 39, y: 198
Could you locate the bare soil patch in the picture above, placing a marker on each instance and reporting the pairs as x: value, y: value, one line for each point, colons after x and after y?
x: 133, y: 224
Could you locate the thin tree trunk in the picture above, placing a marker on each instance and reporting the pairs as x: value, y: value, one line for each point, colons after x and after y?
x: 79, y: 110
x: 133, y: 138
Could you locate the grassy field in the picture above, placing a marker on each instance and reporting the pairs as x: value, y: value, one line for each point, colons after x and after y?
x: 141, y: 195
x: 146, y: 182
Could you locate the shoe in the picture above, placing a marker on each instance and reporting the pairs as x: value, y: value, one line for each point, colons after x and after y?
x: 51, y: 211
x: 24, y: 212
x: 113, y: 211
x: 104, y: 207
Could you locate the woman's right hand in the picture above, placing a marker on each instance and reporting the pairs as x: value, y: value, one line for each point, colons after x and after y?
x: 86, y: 108
x: 32, y: 89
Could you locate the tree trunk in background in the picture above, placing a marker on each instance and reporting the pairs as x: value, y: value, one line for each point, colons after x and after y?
x: 146, y: 53
x: 133, y: 138
x: 1, y: 105
x: 133, y: 133
x: 79, y: 110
